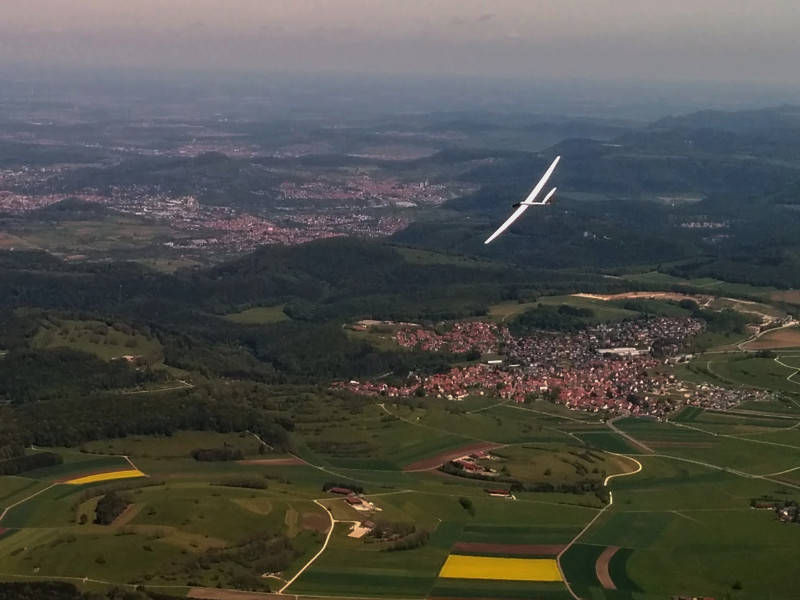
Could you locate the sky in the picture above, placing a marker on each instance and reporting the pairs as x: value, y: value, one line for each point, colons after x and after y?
x: 748, y: 41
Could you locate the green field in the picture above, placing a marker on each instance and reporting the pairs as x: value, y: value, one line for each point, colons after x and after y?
x: 744, y: 370
x: 259, y: 315
x: 703, y: 284
x: 95, y: 337
x: 178, y: 445
x: 603, y: 311
x: 76, y: 464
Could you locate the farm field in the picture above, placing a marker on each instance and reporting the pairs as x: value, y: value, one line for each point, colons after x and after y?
x: 787, y: 337
x: 790, y: 296
x: 414, y: 572
x: 745, y: 453
x: 458, y: 566
x: 744, y: 370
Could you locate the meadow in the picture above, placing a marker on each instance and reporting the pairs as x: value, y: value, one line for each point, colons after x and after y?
x: 259, y: 315
x: 98, y: 338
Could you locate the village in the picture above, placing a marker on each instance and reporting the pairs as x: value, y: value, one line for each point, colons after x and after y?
x: 616, y: 368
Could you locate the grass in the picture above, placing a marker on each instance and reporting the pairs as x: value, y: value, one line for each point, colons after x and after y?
x: 354, y: 567
x: 578, y: 564
x: 367, y: 438
x: 607, y: 440
x: 178, y: 445
x: 502, y: 424
x: 745, y: 546
x: 259, y: 315
x: 76, y: 464
x: 724, y: 452
x: 603, y: 311
x: 52, y: 509
x: 556, y: 465
x: 98, y: 338
x: 705, y: 284
x: 472, y: 588
x: 13, y: 488
x: 618, y: 569
x: 224, y: 513
x: 749, y: 371
x: 119, y: 558
x: 351, y: 566
x: 430, y: 257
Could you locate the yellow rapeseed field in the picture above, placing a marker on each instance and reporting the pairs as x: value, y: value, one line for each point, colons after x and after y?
x: 106, y: 476
x: 513, y: 569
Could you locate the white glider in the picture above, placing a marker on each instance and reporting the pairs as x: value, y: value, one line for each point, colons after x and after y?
x: 529, y: 201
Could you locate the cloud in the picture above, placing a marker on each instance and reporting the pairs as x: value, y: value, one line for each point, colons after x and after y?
x: 485, y: 17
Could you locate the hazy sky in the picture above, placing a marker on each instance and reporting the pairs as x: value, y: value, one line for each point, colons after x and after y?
x: 726, y: 40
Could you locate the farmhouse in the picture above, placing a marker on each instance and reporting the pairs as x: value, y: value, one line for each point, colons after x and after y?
x: 341, y: 490
x: 353, y: 500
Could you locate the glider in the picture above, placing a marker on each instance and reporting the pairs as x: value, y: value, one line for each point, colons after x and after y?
x: 529, y: 201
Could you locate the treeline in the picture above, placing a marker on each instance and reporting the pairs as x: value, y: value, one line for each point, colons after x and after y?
x: 29, y: 462
x: 358, y: 489
x: 220, y: 407
x: 562, y: 318
x: 251, y: 483
x: 109, y: 507
x: 582, y: 486
x: 398, y: 535
x: 28, y: 375
x: 239, y: 566
x: 217, y: 454
x: 54, y: 590
x: 724, y: 321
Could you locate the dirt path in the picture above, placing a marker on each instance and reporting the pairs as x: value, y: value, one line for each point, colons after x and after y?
x: 755, y: 337
x: 8, y: 508
x: 628, y: 437
x: 601, y: 568
x: 318, y: 554
x: 602, y: 511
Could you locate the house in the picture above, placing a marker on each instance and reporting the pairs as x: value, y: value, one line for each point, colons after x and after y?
x: 341, y: 490
x: 353, y: 500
